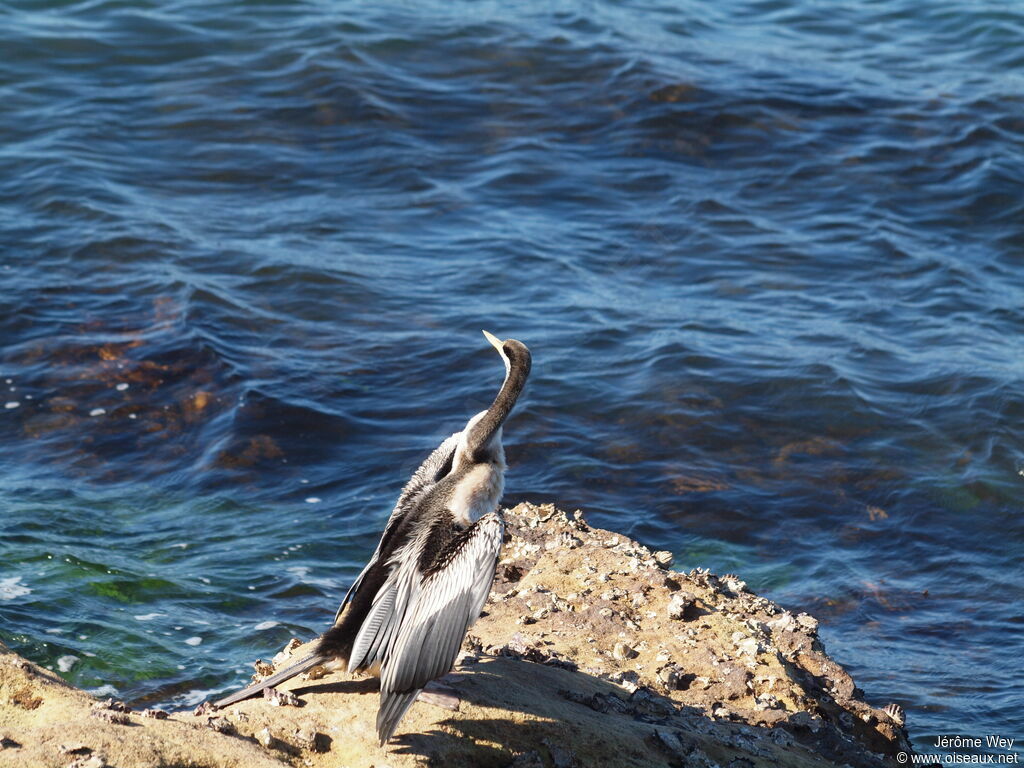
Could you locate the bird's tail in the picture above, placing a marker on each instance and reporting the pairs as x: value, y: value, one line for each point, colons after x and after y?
x: 275, y: 679
x: 393, y: 707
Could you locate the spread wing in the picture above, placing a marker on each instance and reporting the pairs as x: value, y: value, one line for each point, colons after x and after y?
x: 418, y: 620
x: 435, y: 467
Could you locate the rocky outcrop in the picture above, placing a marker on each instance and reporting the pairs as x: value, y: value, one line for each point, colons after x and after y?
x: 591, y: 652
x: 46, y: 722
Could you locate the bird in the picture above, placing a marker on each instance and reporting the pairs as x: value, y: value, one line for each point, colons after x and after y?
x: 406, y: 614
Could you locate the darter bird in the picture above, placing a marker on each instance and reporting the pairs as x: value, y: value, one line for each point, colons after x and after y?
x: 406, y: 614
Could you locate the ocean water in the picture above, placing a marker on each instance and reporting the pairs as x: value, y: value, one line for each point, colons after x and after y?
x: 768, y: 256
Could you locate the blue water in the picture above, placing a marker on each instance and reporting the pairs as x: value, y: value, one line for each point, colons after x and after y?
x: 768, y: 256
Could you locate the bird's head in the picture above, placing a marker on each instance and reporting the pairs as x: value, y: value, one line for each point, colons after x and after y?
x: 513, y: 353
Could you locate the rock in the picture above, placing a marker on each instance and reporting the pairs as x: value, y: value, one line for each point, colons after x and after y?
x: 310, y: 739
x: 621, y: 652
x: 702, y: 673
x: 221, y: 725
x: 781, y: 737
x: 24, y: 699
x: 699, y: 759
x: 670, y: 741
x: 670, y: 677
x: 531, y: 759
x: 264, y: 738
x: 74, y: 749
x: 279, y: 698
x: 664, y: 558
x: 733, y: 584
x: 113, y: 705
x: 156, y: 714
x: 807, y: 622
x: 783, y: 623
x: 282, y: 658
x: 89, y: 761
x: 805, y: 720
x: 120, y: 718
x: 895, y: 713
x: 203, y: 709
x: 746, y: 646
x: 628, y: 679
x: 678, y: 604
x: 563, y: 541
x: 560, y: 756
x: 646, y: 701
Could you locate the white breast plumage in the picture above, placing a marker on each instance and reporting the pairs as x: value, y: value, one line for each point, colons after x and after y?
x: 477, y: 493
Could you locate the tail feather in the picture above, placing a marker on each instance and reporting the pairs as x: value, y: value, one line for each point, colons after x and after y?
x: 393, y: 707
x: 275, y: 679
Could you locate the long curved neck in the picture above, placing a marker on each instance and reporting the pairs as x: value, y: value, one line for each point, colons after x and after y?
x: 483, y: 431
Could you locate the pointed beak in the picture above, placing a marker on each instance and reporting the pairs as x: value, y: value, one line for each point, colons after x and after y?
x: 495, y: 342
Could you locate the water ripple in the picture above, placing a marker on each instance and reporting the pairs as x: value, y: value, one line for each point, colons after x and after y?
x: 767, y: 257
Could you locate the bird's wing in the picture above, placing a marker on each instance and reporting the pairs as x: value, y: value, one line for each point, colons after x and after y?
x: 443, y: 604
x: 434, y: 467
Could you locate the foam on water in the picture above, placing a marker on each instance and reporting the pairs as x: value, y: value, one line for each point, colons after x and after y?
x: 12, y: 588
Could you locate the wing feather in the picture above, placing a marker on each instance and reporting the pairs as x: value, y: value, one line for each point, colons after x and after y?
x: 377, y: 630
x: 430, y: 471
x: 417, y: 622
x: 393, y: 707
x: 448, y: 600
x: 374, y: 627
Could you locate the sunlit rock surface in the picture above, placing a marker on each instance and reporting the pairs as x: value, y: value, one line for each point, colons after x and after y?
x: 591, y: 652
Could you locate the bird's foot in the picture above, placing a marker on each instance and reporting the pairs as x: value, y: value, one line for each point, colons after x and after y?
x: 440, y: 696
